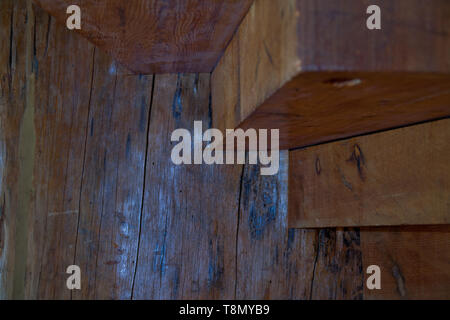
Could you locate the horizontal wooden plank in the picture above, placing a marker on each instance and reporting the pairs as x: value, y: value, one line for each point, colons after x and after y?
x: 397, y: 177
x: 414, y: 261
x: 157, y: 36
x: 414, y: 36
x: 352, y: 80
x: 324, y: 106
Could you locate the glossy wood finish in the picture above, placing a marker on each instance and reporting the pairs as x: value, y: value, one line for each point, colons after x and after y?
x: 398, y: 177
x: 156, y: 36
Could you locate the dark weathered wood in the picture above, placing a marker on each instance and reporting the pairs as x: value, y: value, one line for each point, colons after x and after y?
x: 188, y: 234
x: 277, y: 263
x: 262, y: 237
x: 397, y: 177
x: 414, y: 261
x: 323, y: 106
x: 76, y: 196
x: 113, y: 180
x: 155, y: 36
x: 261, y: 57
x: 13, y: 77
x: 61, y: 101
x: 337, y: 272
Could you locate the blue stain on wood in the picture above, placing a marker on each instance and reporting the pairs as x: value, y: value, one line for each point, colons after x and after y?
x: 128, y: 146
x: 177, y: 106
x: 112, y: 69
x: 92, y: 127
x: 142, y: 116
x: 210, y: 115
x: 176, y: 283
x: 291, y: 238
x: 260, y: 199
x: 159, y: 257
x: 215, y: 265
x: 35, y: 66
x: 197, y: 77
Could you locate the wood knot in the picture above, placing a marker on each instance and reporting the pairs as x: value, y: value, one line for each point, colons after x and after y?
x: 357, y: 157
x: 318, y: 167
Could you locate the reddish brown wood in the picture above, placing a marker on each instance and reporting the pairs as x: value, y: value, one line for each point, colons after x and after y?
x: 261, y: 57
x: 60, y: 127
x: 155, y: 36
x: 397, y: 177
x: 13, y: 77
x: 206, y: 241
x: 112, y: 182
x: 414, y: 36
x: 324, y: 106
x: 414, y: 261
x: 331, y: 37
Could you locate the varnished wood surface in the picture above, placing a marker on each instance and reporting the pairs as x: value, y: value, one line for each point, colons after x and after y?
x: 98, y: 188
x: 317, y: 107
x: 397, y: 177
x: 155, y: 36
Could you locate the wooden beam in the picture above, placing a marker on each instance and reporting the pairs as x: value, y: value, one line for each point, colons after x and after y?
x: 261, y: 57
x: 398, y: 177
x: 155, y: 36
x: 318, y: 107
x: 414, y: 261
x: 348, y: 80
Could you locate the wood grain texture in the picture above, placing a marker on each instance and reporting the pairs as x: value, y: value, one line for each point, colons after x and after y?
x: 262, y: 235
x: 338, y: 273
x: 62, y: 96
x: 188, y: 234
x: 92, y: 198
x: 397, y: 177
x: 274, y: 262
x: 155, y: 36
x: 414, y: 261
x: 113, y: 178
x: 348, y: 80
x: 13, y: 77
x: 318, y: 107
x: 261, y: 58
x: 414, y: 36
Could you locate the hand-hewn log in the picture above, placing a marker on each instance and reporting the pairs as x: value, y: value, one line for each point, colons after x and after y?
x: 398, y: 177
x: 154, y: 36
